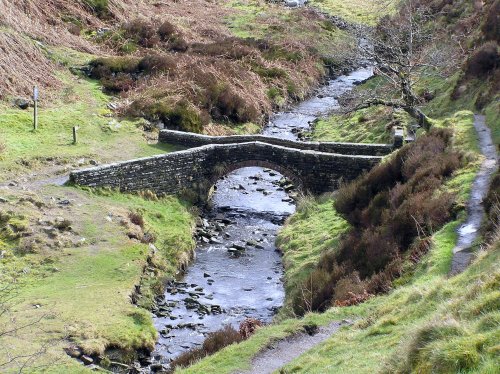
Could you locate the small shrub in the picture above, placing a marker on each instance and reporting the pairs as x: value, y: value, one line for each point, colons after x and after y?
x: 379, y: 283
x: 347, y: 286
x: 273, y: 93
x: 143, y: 32
x: 107, y: 67
x: 137, y: 219
x: 63, y: 225
x: 74, y: 29
x: 28, y: 246
x: 183, y: 117
x: 314, y: 294
x: 483, y: 60
x: 166, y: 30
x: 99, y: 7
x: 121, y: 82
x: 269, y: 73
x: 419, y: 249
x: 178, y: 44
x: 353, y: 299
x: 214, y: 342
x: 248, y: 327
x: 231, y: 48
x: 179, y: 116
x: 148, y: 238
x: 279, y: 53
x: 128, y: 47
x: 491, y: 25
x: 2, y: 147
x: 156, y: 64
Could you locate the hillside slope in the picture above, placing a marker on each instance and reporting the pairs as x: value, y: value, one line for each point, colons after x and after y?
x: 187, y: 64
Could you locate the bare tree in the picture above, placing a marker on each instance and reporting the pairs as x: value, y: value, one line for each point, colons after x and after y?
x: 395, y: 45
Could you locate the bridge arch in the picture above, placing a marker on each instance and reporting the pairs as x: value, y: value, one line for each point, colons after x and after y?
x: 222, y: 170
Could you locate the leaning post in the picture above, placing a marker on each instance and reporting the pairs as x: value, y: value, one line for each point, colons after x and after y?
x: 35, y: 108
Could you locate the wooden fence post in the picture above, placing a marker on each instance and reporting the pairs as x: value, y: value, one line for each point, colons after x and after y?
x: 75, y: 129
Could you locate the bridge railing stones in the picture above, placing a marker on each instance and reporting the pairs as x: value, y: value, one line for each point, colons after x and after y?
x: 197, y: 169
x: 187, y: 139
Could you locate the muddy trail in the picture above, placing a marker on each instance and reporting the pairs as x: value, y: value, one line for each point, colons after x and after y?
x: 463, y: 253
x: 285, y: 351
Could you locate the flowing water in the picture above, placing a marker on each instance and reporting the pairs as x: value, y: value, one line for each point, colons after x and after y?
x: 238, y: 271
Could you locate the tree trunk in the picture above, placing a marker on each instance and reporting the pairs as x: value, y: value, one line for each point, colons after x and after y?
x: 423, y: 120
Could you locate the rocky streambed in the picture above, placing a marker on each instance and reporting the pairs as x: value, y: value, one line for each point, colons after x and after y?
x: 238, y: 273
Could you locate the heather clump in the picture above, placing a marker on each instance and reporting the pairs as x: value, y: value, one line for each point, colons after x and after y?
x: 391, y: 210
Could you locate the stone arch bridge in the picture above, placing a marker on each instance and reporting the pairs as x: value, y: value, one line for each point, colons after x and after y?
x: 313, y: 167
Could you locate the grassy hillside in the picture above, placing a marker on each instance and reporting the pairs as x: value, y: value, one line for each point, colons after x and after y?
x: 73, y: 269
x: 366, y: 12
x: 198, y: 66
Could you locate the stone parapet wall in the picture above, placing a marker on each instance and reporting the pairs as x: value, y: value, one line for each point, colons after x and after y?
x: 189, y: 140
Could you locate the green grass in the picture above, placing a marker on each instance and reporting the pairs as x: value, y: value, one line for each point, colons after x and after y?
x: 81, y: 103
x: 315, y: 228
x: 83, y: 291
x: 363, y: 126
x: 357, y: 11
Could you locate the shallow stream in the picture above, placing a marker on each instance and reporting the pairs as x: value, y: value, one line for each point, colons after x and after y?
x: 238, y: 271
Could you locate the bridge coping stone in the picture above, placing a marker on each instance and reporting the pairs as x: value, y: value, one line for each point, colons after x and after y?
x: 195, y: 140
